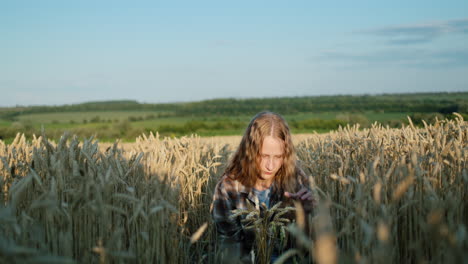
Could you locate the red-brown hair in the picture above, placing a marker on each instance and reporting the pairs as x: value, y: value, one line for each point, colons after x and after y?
x: 244, y: 166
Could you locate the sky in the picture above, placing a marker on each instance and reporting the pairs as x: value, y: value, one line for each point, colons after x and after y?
x: 67, y: 52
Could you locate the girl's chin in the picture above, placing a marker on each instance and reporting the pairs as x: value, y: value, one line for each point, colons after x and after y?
x: 266, y: 176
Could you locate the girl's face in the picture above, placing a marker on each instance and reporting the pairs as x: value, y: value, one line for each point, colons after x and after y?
x: 271, y: 157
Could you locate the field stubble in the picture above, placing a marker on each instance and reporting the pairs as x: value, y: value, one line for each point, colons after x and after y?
x: 386, y: 196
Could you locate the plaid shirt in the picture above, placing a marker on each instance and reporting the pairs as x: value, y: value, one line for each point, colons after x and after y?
x: 230, y: 195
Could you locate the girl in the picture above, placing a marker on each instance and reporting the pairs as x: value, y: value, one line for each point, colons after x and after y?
x: 262, y: 170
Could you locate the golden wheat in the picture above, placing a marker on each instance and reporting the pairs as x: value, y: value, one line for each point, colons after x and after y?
x: 387, y: 196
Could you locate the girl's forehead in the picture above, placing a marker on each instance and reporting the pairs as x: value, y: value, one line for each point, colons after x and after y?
x: 272, y: 145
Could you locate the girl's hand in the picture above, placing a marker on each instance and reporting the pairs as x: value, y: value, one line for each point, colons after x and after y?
x: 304, y: 195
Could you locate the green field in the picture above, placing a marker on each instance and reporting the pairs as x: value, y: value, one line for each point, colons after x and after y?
x: 80, y: 119
x: 67, y: 117
x: 129, y: 119
x: 128, y: 125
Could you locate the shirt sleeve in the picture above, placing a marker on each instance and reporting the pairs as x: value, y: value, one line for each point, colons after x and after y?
x: 221, y: 209
x: 230, y: 235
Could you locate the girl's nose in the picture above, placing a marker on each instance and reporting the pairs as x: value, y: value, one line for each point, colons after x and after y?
x: 269, y: 164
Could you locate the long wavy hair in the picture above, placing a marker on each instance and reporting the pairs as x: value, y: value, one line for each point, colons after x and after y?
x: 245, y: 164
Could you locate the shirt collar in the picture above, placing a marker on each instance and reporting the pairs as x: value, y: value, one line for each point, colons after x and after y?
x: 250, y: 193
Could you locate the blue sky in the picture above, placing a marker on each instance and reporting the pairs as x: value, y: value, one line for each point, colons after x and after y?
x: 63, y: 52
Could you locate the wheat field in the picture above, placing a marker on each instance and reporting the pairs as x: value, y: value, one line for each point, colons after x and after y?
x: 385, y: 196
